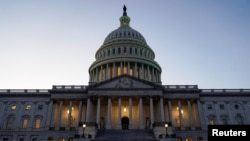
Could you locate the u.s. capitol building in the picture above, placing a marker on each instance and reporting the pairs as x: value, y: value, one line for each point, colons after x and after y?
x: 124, y: 93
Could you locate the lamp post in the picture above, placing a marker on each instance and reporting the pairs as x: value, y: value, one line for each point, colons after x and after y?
x: 81, y: 128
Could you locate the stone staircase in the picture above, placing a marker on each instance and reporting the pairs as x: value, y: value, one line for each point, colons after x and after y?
x: 125, y: 135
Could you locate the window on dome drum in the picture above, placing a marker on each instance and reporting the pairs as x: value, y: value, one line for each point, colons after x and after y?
x: 124, y: 50
x: 119, y: 50
x: 13, y: 107
x: 135, y: 51
x: 130, y: 50
x: 25, y: 122
x: 113, y: 51
x: 236, y: 106
x: 28, y: 107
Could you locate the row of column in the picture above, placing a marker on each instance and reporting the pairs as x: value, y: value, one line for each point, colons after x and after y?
x: 141, y: 120
x: 52, y: 109
x: 197, y: 109
x: 198, y: 112
x: 142, y: 71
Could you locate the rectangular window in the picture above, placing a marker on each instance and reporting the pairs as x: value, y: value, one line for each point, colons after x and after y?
x: 37, y: 123
x: 40, y: 107
x: 25, y: 123
x: 222, y: 107
x: 209, y: 107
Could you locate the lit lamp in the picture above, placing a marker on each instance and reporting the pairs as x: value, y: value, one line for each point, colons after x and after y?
x: 81, y: 128
x: 125, y: 109
x: 166, y: 125
x: 84, y: 125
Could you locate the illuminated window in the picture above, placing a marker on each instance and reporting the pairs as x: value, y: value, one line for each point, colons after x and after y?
x: 28, y: 107
x: 211, y: 122
x: 13, y: 107
x: 25, y: 122
x: 38, y: 123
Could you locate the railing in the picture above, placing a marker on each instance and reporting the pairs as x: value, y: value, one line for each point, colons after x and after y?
x: 70, y: 87
x: 21, y: 91
x: 181, y: 86
x: 225, y: 90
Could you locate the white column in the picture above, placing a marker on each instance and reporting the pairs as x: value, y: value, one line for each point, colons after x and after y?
x: 49, y: 114
x: 107, y: 72
x: 153, y: 74
x: 79, y: 112
x: 180, y: 113
x: 119, y: 113
x: 190, y: 115
x: 135, y: 70
x: 143, y: 71
x: 170, y: 110
x: 130, y: 114
x: 148, y: 74
x: 108, y: 126
x: 53, y: 115
x: 114, y: 67
x: 88, y: 110
x: 69, y: 114
x: 162, y: 110
x: 151, y: 112
x: 230, y: 117
x: 128, y: 68
x: 98, y: 112
x: 59, y: 114
x: 101, y: 77
x: 201, y: 115
x: 141, y: 125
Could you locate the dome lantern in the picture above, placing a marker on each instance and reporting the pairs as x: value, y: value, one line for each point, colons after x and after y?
x: 124, y: 20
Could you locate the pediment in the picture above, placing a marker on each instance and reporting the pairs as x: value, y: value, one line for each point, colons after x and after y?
x: 125, y: 82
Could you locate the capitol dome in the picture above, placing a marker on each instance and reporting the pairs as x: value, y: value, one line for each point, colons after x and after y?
x: 124, y: 52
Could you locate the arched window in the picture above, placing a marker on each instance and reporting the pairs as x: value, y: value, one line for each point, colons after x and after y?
x: 211, y: 119
x: 37, y: 123
x: 10, y: 122
x: 25, y: 121
x: 189, y: 139
x: 199, y: 139
x: 239, y: 119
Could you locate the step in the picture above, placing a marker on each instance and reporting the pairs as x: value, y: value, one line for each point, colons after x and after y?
x: 125, y: 135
